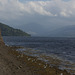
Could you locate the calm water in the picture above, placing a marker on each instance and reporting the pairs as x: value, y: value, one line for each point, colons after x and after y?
x: 60, y: 47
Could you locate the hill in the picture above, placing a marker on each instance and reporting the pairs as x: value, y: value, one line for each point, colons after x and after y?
x: 66, y: 31
x: 9, y: 31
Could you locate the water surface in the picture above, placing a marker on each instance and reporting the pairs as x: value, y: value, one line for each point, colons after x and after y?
x: 57, y: 48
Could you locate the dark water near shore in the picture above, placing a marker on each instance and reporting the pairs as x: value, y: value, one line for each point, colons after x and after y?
x: 61, y: 47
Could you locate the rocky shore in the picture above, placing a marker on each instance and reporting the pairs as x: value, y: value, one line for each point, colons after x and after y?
x: 13, y: 62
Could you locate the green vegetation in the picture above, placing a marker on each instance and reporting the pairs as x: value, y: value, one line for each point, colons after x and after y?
x: 9, y: 31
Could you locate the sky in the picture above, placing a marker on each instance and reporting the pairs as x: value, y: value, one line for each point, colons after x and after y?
x: 37, y: 17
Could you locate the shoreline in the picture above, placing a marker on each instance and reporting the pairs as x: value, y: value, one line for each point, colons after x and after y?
x: 36, y: 63
x: 13, y: 62
x: 52, y: 60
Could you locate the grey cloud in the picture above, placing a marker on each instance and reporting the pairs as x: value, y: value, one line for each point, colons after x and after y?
x: 39, y: 17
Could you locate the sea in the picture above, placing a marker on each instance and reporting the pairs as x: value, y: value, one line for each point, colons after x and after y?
x: 56, y: 51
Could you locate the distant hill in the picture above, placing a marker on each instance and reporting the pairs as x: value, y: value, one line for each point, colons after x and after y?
x: 67, y: 31
x: 9, y: 31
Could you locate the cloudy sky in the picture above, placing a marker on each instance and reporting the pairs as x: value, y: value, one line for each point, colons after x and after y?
x: 37, y: 17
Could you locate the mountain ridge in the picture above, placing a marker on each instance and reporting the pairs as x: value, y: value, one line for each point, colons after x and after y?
x: 66, y: 31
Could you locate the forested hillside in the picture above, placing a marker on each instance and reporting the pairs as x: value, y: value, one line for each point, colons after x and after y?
x: 9, y: 31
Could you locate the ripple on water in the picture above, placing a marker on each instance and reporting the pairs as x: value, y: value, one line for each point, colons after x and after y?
x: 51, y: 59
